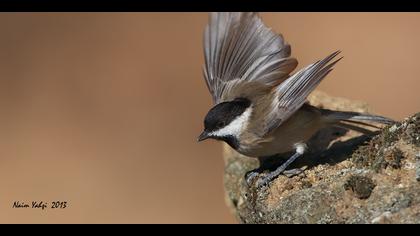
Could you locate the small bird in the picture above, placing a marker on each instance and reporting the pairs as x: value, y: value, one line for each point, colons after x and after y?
x: 260, y: 108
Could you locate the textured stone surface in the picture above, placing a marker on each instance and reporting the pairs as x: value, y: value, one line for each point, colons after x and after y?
x: 349, y: 178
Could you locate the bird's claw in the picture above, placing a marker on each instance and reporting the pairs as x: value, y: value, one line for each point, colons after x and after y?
x: 263, y: 181
x: 293, y: 172
x: 250, y: 176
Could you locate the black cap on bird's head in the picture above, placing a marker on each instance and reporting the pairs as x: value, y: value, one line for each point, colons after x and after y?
x: 221, y: 116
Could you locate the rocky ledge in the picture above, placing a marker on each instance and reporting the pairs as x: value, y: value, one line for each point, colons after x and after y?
x: 349, y: 178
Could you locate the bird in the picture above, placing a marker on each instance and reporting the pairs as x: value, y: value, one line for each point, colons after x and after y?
x: 260, y: 106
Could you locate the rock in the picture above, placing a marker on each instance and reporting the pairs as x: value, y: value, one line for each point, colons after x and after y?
x: 362, y: 186
x: 350, y: 178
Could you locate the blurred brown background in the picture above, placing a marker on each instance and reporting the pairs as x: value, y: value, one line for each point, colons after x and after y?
x: 103, y: 110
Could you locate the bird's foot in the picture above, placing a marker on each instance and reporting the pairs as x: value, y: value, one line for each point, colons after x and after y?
x: 265, y: 180
x: 294, y: 172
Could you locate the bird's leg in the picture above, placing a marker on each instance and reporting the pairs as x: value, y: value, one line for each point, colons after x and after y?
x: 300, y: 149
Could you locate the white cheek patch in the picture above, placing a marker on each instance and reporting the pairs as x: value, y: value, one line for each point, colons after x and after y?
x: 236, y: 126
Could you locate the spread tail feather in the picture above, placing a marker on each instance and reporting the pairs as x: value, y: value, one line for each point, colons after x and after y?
x: 339, y: 117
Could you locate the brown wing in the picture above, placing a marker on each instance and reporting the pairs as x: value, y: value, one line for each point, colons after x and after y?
x: 240, y: 51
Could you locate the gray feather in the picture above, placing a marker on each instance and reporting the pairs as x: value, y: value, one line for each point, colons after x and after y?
x: 237, y: 45
x: 292, y: 93
x: 355, y: 117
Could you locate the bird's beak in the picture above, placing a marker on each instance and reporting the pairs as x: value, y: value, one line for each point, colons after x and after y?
x: 203, y: 136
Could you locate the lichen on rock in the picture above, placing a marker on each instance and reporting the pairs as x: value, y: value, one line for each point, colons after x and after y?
x: 349, y: 178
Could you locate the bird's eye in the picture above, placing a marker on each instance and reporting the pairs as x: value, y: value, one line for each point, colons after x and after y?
x: 220, y: 124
